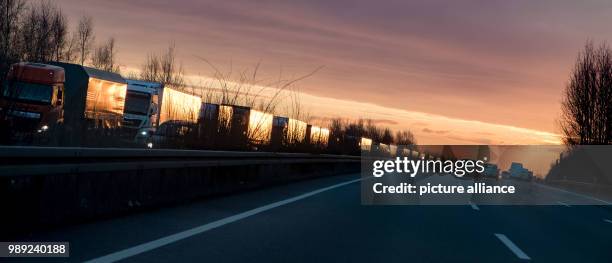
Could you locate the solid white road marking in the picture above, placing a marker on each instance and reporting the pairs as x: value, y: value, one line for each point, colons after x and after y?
x: 563, y: 204
x: 474, y: 206
x: 129, y: 252
x: 575, y: 194
x: 515, y: 249
x: 608, y: 220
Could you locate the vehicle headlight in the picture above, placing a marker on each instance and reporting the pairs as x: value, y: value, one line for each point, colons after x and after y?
x: 143, y: 133
x: 43, y: 128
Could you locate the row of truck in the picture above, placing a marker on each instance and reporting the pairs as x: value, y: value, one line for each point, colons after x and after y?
x: 73, y: 105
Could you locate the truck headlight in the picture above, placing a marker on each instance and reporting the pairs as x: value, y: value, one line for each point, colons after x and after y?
x: 42, y: 129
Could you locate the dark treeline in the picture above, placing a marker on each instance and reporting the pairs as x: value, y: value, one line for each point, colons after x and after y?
x: 367, y: 128
x: 586, y: 117
x: 587, y: 104
x: 38, y: 31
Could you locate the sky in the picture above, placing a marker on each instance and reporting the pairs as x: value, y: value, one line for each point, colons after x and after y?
x: 454, y: 72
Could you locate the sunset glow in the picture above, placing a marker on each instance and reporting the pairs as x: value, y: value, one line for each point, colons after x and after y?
x: 461, y: 76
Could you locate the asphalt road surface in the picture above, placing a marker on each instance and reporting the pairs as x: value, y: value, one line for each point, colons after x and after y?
x: 322, y: 220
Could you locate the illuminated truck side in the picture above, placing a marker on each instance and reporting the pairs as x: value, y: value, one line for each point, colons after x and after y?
x: 31, y: 98
x: 365, y: 144
x: 176, y: 124
x: 260, y: 127
x: 296, y: 132
x: 319, y: 137
x: 242, y: 127
x: 93, y: 105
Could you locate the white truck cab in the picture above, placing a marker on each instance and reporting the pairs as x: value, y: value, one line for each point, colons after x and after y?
x: 142, y: 106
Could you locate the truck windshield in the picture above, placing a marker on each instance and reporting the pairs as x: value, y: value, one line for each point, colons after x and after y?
x: 32, y: 92
x: 137, y: 103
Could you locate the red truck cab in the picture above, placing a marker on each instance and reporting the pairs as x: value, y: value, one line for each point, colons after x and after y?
x: 32, y: 96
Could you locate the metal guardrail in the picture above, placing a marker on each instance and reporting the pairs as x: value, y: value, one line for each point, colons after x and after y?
x: 30, y: 160
x: 43, y: 186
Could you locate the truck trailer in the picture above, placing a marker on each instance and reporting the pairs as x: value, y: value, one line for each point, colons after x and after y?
x: 174, y: 122
x: 242, y: 127
x: 319, y: 137
x: 280, y: 129
x: 296, y: 134
x: 93, y: 105
x: 208, y: 126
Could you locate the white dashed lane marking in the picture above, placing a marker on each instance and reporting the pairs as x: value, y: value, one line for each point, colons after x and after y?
x: 564, y: 204
x: 513, y: 247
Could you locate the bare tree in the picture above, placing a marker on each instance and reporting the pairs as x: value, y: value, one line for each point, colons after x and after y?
x: 405, y: 138
x: 59, y: 31
x: 71, y: 49
x: 164, y: 69
x: 587, y: 104
x: 104, y: 57
x: 172, y: 73
x: 10, y: 13
x: 373, y: 132
x: 42, y: 32
x: 151, y: 68
x: 356, y: 129
x: 85, y: 37
x: 387, y: 136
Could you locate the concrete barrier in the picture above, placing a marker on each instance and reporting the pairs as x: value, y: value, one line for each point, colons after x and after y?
x: 41, y: 188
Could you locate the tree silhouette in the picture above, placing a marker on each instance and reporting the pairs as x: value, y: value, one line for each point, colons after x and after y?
x: 587, y: 103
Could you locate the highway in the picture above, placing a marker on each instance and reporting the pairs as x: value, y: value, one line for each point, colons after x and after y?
x: 322, y: 220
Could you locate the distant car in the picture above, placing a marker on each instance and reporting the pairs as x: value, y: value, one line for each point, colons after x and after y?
x: 143, y: 135
x: 170, y: 134
x: 491, y: 170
